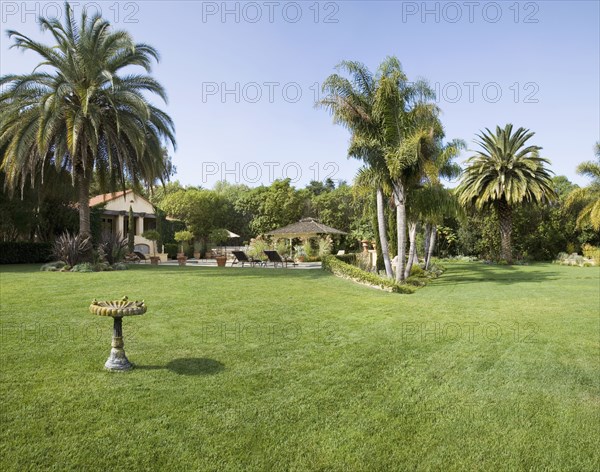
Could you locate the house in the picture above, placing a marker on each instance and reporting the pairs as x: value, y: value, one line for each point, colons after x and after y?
x: 115, y: 217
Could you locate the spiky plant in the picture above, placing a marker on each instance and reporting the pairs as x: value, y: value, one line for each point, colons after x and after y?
x: 505, y: 173
x: 84, y: 109
x: 114, y: 246
x: 71, y: 248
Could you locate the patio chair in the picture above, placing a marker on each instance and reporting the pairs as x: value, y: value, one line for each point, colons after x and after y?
x: 243, y: 258
x: 276, y: 258
x: 141, y: 256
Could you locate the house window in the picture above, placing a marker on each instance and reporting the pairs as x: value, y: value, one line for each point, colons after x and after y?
x: 107, y: 225
x: 149, y: 224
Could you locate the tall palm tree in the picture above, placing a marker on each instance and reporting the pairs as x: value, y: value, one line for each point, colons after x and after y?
x: 588, y: 198
x: 350, y: 101
x: 441, y: 202
x: 504, y: 174
x: 84, y: 110
x: 411, y: 129
x: 373, y: 177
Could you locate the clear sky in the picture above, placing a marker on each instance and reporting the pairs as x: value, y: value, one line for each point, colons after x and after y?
x: 242, y: 77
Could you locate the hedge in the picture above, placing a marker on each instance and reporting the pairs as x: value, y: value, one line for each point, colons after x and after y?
x: 347, y: 258
x: 341, y: 269
x: 171, y: 249
x: 24, y: 252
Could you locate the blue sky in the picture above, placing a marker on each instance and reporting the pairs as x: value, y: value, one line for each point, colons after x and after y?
x: 242, y: 82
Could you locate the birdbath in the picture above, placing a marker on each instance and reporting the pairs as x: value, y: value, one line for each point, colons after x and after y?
x: 117, y: 361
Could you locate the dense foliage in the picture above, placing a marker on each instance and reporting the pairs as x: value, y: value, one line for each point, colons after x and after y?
x: 24, y: 252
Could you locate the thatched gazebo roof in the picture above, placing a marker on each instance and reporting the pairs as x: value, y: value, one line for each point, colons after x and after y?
x: 305, y: 228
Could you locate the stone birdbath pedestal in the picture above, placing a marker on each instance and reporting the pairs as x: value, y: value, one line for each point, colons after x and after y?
x: 117, y: 309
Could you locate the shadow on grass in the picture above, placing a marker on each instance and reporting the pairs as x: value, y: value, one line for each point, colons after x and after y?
x: 232, y: 272
x: 195, y: 366
x: 189, y: 366
x: 503, y: 275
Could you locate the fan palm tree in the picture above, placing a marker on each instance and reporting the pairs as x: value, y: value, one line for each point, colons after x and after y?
x: 83, y: 110
x: 350, y: 101
x: 588, y: 198
x: 504, y: 174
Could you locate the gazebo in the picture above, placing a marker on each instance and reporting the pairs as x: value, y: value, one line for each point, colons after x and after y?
x: 305, y: 228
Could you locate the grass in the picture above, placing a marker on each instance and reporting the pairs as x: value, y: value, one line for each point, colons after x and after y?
x: 487, y: 368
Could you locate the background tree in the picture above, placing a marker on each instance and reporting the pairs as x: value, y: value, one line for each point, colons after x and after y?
x: 271, y: 207
x: 84, y: 110
x: 587, y: 200
x: 503, y: 175
x: 201, y: 210
x: 131, y: 230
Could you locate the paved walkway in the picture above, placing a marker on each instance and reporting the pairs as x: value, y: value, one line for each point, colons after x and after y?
x: 213, y: 263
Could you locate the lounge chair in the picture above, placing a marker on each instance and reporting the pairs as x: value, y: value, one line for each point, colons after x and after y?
x: 142, y: 256
x: 276, y: 258
x: 241, y: 257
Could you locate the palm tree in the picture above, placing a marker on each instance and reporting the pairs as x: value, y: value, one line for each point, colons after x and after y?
x: 350, y: 101
x: 504, y: 174
x: 410, y: 129
x: 369, y: 178
x: 588, y: 198
x: 83, y: 110
x: 440, y: 201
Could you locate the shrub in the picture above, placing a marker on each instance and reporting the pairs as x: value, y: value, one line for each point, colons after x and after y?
x: 341, y: 269
x: 256, y: 248
x: 114, y: 246
x: 417, y: 281
x: 417, y: 271
x: 363, y: 261
x: 52, y: 266
x: 20, y: 252
x: 120, y: 266
x: 181, y: 237
x: 591, y: 252
x: 282, y: 248
x: 171, y: 249
x: 325, y: 245
x: 101, y: 267
x: 83, y: 267
x: 308, y: 249
x: 71, y: 249
x: 153, y: 236
x: 347, y: 258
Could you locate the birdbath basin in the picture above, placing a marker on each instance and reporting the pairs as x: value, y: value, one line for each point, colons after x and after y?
x: 117, y: 309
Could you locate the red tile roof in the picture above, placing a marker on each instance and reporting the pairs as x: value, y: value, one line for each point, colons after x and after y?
x: 107, y: 197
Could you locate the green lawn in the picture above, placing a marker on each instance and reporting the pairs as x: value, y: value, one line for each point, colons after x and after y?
x: 487, y: 368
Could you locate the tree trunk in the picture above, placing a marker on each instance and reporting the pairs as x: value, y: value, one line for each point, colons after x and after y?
x: 399, y: 196
x: 383, y: 240
x: 426, y: 240
x: 412, y: 251
x: 505, y: 216
x: 83, y: 183
x: 430, y: 245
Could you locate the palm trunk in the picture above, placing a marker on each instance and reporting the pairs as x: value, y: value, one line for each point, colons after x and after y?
x: 412, y: 251
x: 426, y: 240
x: 430, y: 245
x: 83, y: 183
x: 505, y: 216
x: 399, y: 196
x: 383, y: 240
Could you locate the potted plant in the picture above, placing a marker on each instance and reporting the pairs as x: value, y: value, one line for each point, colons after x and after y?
x: 219, y: 237
x: 197, y: 250
x: 153, y: 236
x: 182, y: 237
